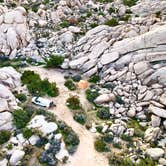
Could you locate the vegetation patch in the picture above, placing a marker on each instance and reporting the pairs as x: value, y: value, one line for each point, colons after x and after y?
x: 20, y: 118
x: 103, y: 113
x: 113, y: 22
x: 54, y: 61
x: 70, y: 85
x: 101, y: 146
x: 39, y: 87
x: 73, y: 103
x: 94, y: 79
x: 91, y: 95
x: 4, y: 136
x: 138, y: 129
x: 27, y: 133
x: 129, y: 2
x: 21, y: 97
x: 70, y: 137
x: 80, y: 117
x: 126, y: 138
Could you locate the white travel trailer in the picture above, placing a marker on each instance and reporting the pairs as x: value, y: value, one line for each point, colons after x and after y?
x: 42, y: 102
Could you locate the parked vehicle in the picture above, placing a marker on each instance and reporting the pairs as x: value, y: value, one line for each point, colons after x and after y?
x: 42, y: 102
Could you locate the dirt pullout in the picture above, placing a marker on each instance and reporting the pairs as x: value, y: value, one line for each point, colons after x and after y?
x: 86, y: 155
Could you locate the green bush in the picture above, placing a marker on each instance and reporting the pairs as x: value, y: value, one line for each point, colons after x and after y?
x: 80, y: 118
x: 64, y: 24
x: 94, y: 79
x: 21, y: 97
x: 111, y: 10
x: 93, y: 25
x: 39, y: 87
x: 91, y: 95
x: 138, y: 129
x: 119, y: 100
x: 125, y: 17
x: 117, y: 145
x: 54, y: 61
x: 101, y: 146
x: 129, y: 2
x: 76, y: 78
x: 70, y: 85
x: 126, y: 138
x: 27, y: 133
x: 4, y: 136
x: 70, y: 137
x: 112, y: 22
x: 73, y: 103
x: 116, y: 160
x: 146, y: 162
x: 108, y: 138
x: 20, y: 118
x: 103, y: 113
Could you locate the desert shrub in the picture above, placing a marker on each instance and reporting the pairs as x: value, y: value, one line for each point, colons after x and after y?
x: 138, y: 129
x: 70, y: 137
x: 35, y: 7
x: 41, y: 142
x: 108, y: 138
x: 73, y: 103
x: 116, y: 160
x: 48, y: 159
x: 101, y: 146
x: 76, y: 78
x: 146, y: 161
x: 103, y: 113
x: 64, y: 24
x: 158, y: 14
x: 80, y: 118
x: 39, y: 87
x: 125, y: 17
x: 4, y: 136
x: 93, y: 25
x: 49, y: 88
x: 21, y: 97
x: 126, y: 138
x: 109, y: 85
x: 105, y: 1
x: 99, y: 129
x: 119, y: 100
x: 70, y: 85
x: 112, y: 22
x: 117, y: 145
x: 111, y: 10
x: 129, y: 2
x: 54, y: 61
x: 27, y: 133
x: 94, y: 79
x: 20, y: 118
x: 91, y: 95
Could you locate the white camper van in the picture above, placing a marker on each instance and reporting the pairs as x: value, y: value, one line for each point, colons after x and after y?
x: 42, y: 102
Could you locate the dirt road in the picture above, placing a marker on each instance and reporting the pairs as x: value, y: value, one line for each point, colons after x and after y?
x: 86, y: 155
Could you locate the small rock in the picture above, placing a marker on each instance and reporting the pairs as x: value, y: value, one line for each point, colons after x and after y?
x: 152, y: 133
x: 155, y: 153
x: 16, y: 156
x: 141, y: 67
x: 162, y: 161
x: 104, y: 98
x: 131, y: 113
x: 155, y: 121
x: 163, y: 99
x: 157, y: 111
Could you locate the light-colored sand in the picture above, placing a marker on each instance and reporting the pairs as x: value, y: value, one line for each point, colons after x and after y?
x: 86, y: 155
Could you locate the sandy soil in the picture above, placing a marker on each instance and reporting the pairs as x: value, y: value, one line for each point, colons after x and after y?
x: 86, y: 155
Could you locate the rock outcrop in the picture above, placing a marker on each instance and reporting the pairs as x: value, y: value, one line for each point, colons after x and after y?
x: 13, y: 30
